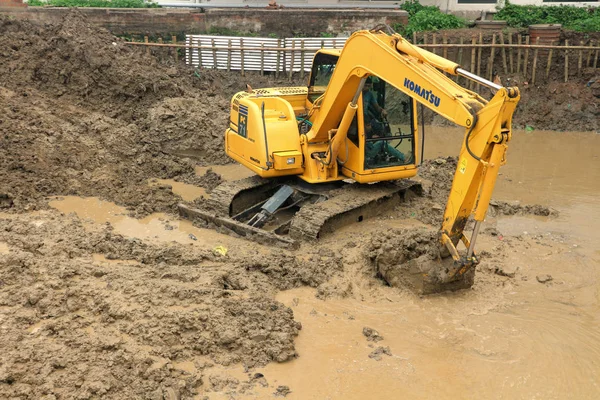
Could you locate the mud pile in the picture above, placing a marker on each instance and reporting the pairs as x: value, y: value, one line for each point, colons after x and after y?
x: 73, y: 315
x: 84, y: 114
x: 412, y: 259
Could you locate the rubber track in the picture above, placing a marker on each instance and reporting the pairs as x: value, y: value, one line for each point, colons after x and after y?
x: 222, y: 198
x: 345, y: 206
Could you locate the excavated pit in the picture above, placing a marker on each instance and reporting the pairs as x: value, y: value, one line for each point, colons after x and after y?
x: 91, y: 308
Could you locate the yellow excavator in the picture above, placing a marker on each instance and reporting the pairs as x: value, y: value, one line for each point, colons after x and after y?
x: 342, y: 149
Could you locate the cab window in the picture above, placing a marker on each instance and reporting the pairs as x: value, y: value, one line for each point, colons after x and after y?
x: 388, y: 125
x: 321, y: 73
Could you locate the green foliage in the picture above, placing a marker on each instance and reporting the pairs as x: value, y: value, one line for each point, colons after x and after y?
x: 94, y: 3
x: 413, y: 7
x: 571, y: 17
x: 426, y: 18
x: 587, y: 25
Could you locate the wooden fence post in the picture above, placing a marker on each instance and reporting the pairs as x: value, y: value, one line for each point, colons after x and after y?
x: 491, y: 60
x: 503, y: 53
x: 566, y: 60
x: 473, y: 56
x: 535, y: 58
x: 214, y: 52
x: 526, y: 60
x: 596, y: 57
x: 147, y: 47
x: 175, y: 50
x: 445, y: 41
x: 199, y: 53
x: 160, y: 51
x: 479, y: 58
x: 279, y: 52
x: 434, y: 48
x: 291, y: 72
x: 519, y: 37
x: 510, y: 53
x: 460, y: 56
x: 580, y: 62
x: 549, y: 63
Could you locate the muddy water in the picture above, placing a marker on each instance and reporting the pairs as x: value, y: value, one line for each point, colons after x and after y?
x: 556, y: 169
x: 155, y: 227
x: 505, y: 339
x: 186, y: 191
x: 508, y: 339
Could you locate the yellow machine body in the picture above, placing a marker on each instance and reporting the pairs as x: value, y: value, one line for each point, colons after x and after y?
x: 320, y: 132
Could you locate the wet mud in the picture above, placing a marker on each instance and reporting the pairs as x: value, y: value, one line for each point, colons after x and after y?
x: 106, y: 293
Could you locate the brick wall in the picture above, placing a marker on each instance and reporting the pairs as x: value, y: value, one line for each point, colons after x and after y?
x: 12, y: 3
x: 176, y: 21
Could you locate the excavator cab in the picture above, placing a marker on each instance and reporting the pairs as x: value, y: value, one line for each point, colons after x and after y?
x: 377, y: 142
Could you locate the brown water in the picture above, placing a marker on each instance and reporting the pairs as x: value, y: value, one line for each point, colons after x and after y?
x: 155, y: 227
x: 186, y: 191
x: 505, y: 339
x: 517, y: 340
x: 556, y: 169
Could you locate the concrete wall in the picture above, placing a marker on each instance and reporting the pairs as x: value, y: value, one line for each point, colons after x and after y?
x: 282, y: 22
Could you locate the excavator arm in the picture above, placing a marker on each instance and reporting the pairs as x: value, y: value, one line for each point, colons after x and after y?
x: 420, y: 74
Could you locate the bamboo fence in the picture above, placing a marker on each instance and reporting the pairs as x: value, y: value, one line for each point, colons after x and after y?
x: 505, y: 53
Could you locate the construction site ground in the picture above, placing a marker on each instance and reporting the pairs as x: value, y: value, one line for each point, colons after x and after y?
x: 106, y: 293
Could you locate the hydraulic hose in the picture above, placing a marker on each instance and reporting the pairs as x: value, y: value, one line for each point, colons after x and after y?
x: 268, y: 162
x: 469, y: 135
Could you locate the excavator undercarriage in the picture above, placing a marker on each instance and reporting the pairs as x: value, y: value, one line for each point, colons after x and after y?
x: 288, y: 210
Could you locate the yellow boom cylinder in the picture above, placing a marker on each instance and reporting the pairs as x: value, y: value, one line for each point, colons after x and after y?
x: 425, y: 56
x: 342, y: 131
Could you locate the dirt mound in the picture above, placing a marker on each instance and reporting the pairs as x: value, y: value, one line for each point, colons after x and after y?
x: 87, y: 65
x: 559, y: 106
x: 84, y: 114
x: 412, y: 259
x: 73, y: 315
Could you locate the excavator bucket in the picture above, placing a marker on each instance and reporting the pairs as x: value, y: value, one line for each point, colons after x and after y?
x: 426, y: 276
x: 286, y: 211
x: 413, y: 258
